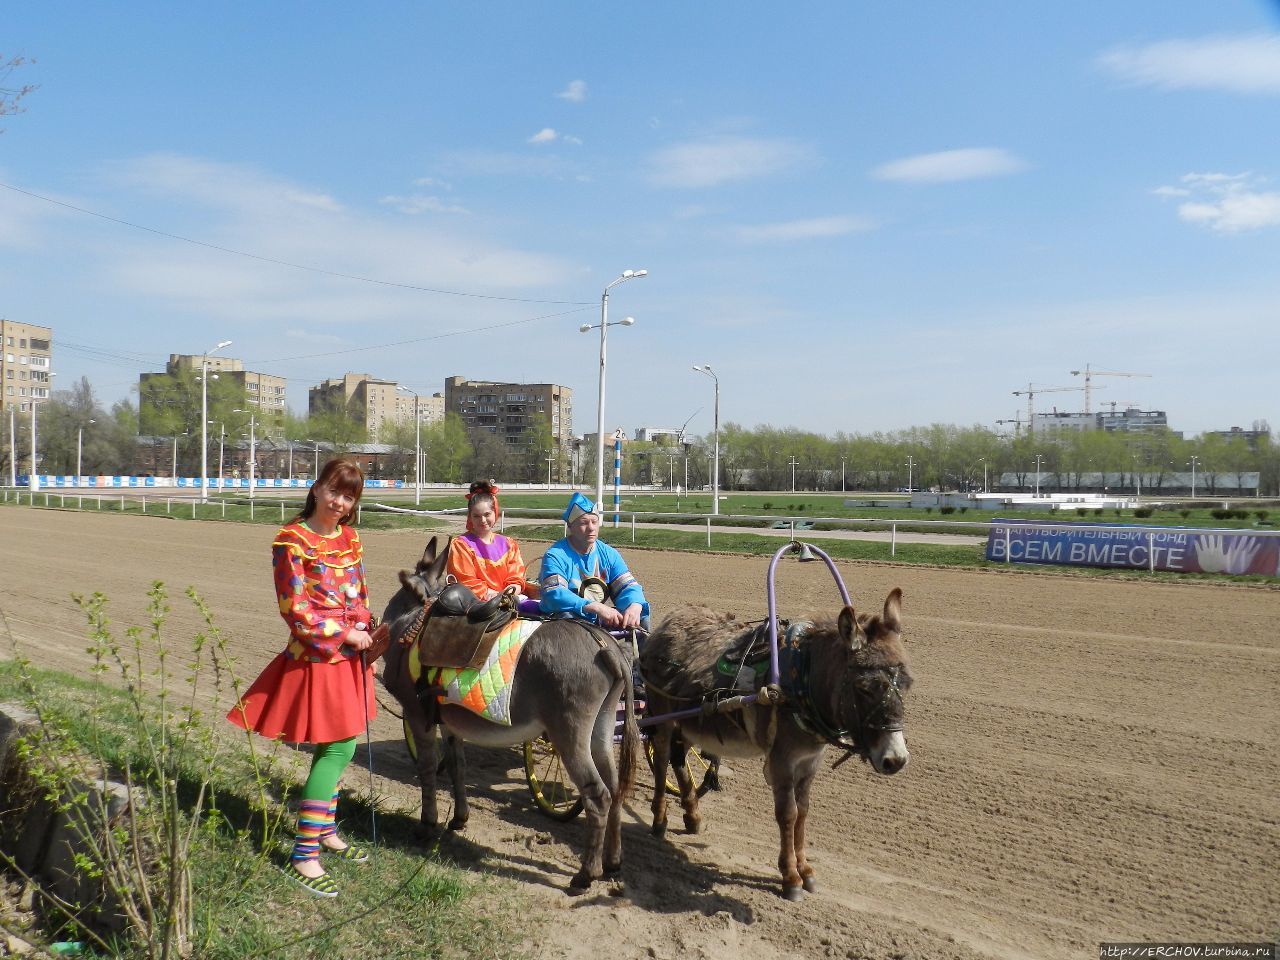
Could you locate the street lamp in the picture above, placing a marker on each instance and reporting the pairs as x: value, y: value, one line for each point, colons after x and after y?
x: 1137, y: 479
x: 911, y: 465
x: 842, y: 460
x: 204, y: 419
x: 983, y: 461
x: 793, y: 461
x: 222, y: 440
x: 1039, y: 458
x: 34, y: 483
x: 80, y: 448
x: 550, y: 460
x: 13, y: 446
x: 253, y: 445
x: 604, y: 326
x: 1193, y: 462
x: 315, y: 459
x: 715, y: 474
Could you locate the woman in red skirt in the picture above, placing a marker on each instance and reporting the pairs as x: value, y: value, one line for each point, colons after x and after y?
x: 318, y: 690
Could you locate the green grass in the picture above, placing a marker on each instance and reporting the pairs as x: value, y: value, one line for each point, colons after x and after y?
x: 408, y: 902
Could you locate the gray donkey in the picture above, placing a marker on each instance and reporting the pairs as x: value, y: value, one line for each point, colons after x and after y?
x: 842, y: 683
x: 568, y: 681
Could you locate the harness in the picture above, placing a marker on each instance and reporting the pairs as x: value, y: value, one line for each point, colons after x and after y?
x: 796, y: 677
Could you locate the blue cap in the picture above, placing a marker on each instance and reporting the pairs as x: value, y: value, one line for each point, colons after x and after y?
x: 578, y: 505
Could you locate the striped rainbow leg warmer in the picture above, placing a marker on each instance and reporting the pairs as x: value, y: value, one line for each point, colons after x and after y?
x: 314, y: 821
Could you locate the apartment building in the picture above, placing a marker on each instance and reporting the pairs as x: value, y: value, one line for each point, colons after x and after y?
x: 512, y: 411
x: 264, y: 391
x: 26, y: 352
x: 373, y: 402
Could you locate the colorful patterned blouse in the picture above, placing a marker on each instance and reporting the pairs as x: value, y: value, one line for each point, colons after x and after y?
x: 487, y: 568
x: 321, y: 590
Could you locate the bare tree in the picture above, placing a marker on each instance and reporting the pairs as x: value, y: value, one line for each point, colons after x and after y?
x: 10, y: 96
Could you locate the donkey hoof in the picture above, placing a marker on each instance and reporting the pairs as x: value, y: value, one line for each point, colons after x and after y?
x: 792, y: 891
x: 580, y: 883
x: 810, y: 885
x: 692, y: 824
x: 458, y: 823
x: 658, y: 830
x: 613, y: 869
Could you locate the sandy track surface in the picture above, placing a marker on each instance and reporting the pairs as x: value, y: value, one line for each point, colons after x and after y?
x: 1092, y: 759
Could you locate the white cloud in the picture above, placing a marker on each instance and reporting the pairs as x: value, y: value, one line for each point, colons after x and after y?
x: 576, y: 141
x: 420, y: 203
x: 1225, y: 203
x: 575, y: 92
x: 473, y: 163
x: 1236, y: 64
x: 805, y: 229
x: 545, y: 135
x: 973, y: 163
x: 725, y: 159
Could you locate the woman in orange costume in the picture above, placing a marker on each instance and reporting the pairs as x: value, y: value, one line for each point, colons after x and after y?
x: 319, y: 690
x: 483, y: 559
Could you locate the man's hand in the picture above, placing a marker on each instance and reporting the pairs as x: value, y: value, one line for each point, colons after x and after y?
x: 631, y: 617
x: 607, y: 616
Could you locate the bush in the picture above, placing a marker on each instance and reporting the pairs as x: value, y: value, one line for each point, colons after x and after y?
x: 928, y: 509
x: 1220, y: 513
x: 1097, y: 512
x: 1240, y: 514
x: 947, y: 509
x: 964, y: 509
x: 1143, y: 512
x: 1262, y: 514
x: 1081, y: 511
x: 1119, y: 513
x: 768, y: 505
x: 1184, y: 513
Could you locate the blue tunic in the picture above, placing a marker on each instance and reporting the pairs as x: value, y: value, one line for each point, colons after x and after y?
x: 563, y: 569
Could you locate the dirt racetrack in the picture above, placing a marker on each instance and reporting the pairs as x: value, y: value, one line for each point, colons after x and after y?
x: 1092, y: 759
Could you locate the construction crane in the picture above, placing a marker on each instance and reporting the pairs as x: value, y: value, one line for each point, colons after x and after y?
x: 1017, y: 425
x: 1030, y: 394
x: 1089, y: 374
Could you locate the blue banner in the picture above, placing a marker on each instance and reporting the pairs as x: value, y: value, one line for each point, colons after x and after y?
x: 1179, y: 549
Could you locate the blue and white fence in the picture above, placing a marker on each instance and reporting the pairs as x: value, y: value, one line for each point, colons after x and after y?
x: 45, y: 482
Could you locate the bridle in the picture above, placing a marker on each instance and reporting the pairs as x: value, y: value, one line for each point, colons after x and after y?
x: 797, y: 682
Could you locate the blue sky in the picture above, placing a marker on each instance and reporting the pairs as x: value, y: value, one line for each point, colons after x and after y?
x: 864, y: 216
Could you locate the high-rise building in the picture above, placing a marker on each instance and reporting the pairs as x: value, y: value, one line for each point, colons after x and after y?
x: 512, y: 411
x: 26, y: 352
x: 373, y: 402
x: 263, y: 391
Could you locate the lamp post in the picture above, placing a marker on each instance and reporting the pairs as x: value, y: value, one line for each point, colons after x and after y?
x: 1137, y: 479
x: 715, y: 474
x: 253, y: 446
x: 315, y: 459
x: 550, y: 460
x: 222, y: 441
x: 1039, y: 458
x: 793, y: 461
x: 1193, y: 462
x: 983, y: 461
x: 34, y: 483
x: 842, y: 460
x: 911, y: 466
x: 80, y: 448
x: 13, y: 446
x: 604, y: 327
x: 175, y: 459
x: 204, y: 420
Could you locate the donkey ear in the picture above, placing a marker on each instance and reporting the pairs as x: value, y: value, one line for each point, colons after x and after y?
x: 429, y: 554
x: 893, y: 610
x: 436, y: 562
x: 848, y: 626
x: 413, y: 584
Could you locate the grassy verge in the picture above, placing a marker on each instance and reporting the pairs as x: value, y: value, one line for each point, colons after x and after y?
x: 409, y: 904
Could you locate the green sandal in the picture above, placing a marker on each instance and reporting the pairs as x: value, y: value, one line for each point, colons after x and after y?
x: 321, y: 886
x: 349, y: 852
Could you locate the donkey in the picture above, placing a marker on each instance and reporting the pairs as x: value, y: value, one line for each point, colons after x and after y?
x: 567, y: 683
x: 840, y: 679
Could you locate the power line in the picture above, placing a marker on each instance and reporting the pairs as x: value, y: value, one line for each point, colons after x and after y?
x: 286, y: 263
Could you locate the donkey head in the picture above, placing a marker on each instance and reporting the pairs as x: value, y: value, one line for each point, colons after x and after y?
x: 876, y: 677
x: 423, y: 582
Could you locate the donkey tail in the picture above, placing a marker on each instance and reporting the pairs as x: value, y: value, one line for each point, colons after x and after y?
x: 630, y: 728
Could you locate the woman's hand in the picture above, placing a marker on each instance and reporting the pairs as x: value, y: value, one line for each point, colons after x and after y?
x: 358, y: 639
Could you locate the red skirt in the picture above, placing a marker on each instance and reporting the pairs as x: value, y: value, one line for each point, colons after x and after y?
x: 305, y: 702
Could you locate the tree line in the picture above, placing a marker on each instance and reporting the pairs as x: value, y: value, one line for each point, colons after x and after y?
x: 942, y: 456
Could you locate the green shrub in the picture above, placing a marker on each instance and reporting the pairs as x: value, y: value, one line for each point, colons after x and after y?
x: 1081, y: 511
x: 1240, y: 514
x: 1220, y: 513
x: 947, y: 509
x: 1261, y: 514
x: 768, y: 505
x: 1184, y: 513
x: 1143, y: 512
x: 928, y: 509
x: 964, y: 509
x: 1097, y: 512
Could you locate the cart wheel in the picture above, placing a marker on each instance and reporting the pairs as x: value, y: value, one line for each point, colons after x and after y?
x: 553, y: 792
x: 703, y: 767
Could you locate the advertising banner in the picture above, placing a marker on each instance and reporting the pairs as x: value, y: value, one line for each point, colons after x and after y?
x: 1180, y: 549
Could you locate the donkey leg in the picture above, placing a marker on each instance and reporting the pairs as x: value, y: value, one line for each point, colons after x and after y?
x: 424, y: 735
x: 456, y: 761
x: 688, y: 789
x: 803, y: 785
x: 581, y: 768
x: 660, y: 740
x: 602, y: 755
x: 785, y: 812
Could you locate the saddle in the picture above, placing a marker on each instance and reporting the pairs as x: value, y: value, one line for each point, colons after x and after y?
x: 460, y: 629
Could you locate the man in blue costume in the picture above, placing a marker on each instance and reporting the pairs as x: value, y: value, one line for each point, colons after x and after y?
x: 581, y: 556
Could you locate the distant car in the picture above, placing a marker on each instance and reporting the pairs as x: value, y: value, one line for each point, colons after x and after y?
x: 908, y: 489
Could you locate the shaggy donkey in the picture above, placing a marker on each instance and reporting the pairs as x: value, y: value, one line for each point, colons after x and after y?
x: 840, y: 679
x: 567, y: 684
